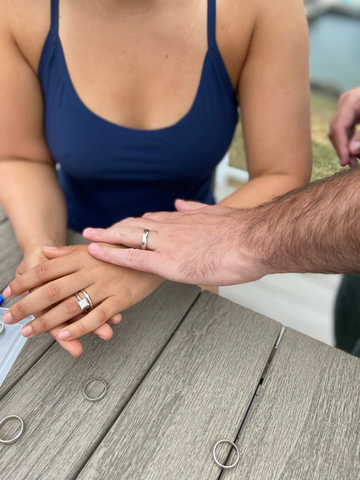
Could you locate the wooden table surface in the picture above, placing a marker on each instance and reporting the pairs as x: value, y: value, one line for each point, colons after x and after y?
x: 183, y: 369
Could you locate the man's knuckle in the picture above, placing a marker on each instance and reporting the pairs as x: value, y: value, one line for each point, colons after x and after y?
x: 126, y: 230
x: 128, y: 221
x: 131, y: 255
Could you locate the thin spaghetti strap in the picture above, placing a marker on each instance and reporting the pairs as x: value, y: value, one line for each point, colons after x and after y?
x: 211, y: 23
x: 55, y: 16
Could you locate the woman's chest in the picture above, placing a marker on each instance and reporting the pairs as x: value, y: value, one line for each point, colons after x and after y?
x: 141, y: 66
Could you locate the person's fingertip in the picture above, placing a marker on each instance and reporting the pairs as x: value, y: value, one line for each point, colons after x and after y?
x: 64, y: 335
x: 88, y: 231
x: 355, y: 147
x: 7, y: 293
x: 94, y: 248
x: 343, y: 161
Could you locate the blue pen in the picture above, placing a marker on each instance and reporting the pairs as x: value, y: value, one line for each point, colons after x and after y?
x: 1, y: 300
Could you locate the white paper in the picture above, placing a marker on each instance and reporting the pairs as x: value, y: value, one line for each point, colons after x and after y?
x: 11, y: 343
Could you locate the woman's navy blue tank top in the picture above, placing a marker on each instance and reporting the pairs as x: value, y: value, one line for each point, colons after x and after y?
x: 109, y: 172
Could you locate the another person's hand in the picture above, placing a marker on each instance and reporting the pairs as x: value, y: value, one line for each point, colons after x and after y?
x: 54, y: 284
x: 343, y: 128
x: 198, y: 246
x: 33, y: 256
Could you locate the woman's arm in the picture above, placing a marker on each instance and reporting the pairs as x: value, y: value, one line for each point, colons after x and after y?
x: 275, y: 104
x: 30, y: 192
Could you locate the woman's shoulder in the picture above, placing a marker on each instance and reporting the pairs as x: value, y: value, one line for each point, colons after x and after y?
x: 28, y: 23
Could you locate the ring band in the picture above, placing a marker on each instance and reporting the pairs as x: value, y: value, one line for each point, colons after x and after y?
x: 226, y: 467
x: 102, y: 394
x: 86, y: 303
x: 144, y: 239
x: 18, y: 435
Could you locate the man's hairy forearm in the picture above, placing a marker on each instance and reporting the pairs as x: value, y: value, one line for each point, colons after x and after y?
x: 312, y: 229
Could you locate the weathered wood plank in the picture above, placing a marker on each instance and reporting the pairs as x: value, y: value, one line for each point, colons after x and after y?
x: 62, y: 428
x: 305, y: 424
x: 195, y: 395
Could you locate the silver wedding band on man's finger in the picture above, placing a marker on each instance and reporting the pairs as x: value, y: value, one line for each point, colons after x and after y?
x: 144, y: 239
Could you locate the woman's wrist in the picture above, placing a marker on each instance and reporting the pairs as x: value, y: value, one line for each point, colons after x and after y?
x: 41, y: 243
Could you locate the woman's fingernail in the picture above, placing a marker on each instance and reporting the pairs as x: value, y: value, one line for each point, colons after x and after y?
x: 103, y: 338
x: 50, y: 248
x: 94, y: 247
x: 8, y: 319
x: 26, y: 331
x: 64, y: 335
x: 73, y: 355
x: 88, y: 231
x: 7, y: 292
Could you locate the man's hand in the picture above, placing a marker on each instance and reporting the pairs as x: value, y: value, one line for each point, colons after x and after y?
x: 200, y: 245
x: 343, y: 128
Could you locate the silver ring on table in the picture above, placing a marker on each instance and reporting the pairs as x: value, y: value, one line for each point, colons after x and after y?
x: 144, y: 239
x: 18, y: 435
x: 2, y: 329
x: 85, y: 303
x: 102, y: 394
x: 226, y: 467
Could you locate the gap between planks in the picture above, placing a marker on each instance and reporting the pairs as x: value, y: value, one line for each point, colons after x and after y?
x: 252, y: 401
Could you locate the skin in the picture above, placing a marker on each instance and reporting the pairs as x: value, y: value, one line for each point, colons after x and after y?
x: 343, y: 134
x: 54, y: 283
x: 315, y: 229
x: 264, y: 47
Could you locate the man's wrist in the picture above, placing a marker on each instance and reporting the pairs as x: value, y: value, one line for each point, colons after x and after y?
x: 254, y: 242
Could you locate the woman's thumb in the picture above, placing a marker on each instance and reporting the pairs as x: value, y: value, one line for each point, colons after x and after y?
x: 53, y: 252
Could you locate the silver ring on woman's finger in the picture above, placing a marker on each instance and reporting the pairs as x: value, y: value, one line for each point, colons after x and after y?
x: 85, y: 303
x: 144, y: 239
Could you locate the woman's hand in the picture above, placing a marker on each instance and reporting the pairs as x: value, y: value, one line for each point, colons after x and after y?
x: 71, y: 269
x: 343, y: 128
x: 200, y: 246
x: 33, y: 256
